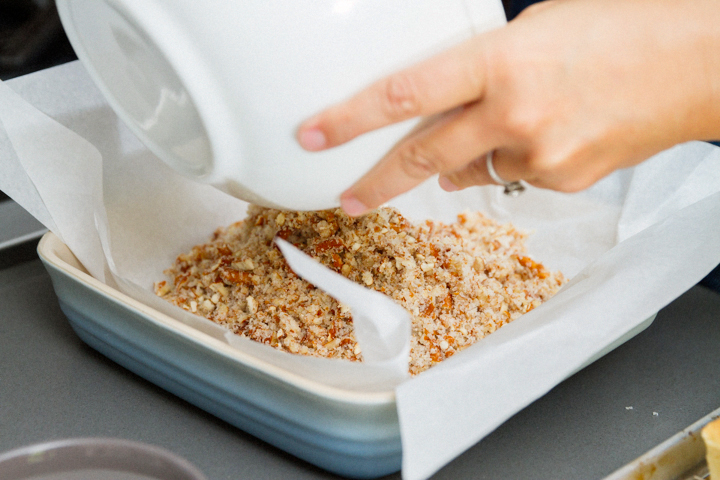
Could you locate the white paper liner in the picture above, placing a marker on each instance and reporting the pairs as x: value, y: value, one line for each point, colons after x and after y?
x: 631, y: 244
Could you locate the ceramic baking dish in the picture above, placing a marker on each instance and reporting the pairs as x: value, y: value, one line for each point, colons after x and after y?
x: 353, y: 434
x: 349, y: 433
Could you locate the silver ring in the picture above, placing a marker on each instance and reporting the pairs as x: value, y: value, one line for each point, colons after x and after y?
x: 512, y: 189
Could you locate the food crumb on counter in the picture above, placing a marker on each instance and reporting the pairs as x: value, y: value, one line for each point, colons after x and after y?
x: 459, y: 281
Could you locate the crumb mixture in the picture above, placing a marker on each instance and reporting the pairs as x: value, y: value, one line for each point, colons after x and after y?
x: 459, y: 282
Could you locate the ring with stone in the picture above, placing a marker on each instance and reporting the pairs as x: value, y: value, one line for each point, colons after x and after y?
x: 512, y: 189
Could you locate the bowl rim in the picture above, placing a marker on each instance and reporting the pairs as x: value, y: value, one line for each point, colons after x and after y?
x: 102, y: 453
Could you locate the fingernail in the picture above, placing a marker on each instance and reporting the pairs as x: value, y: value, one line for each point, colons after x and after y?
x: 352, y: 205
x: 447, y: 185
x: 312, y: 139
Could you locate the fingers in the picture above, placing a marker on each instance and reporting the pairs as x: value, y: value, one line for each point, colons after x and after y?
x: 446, y: 146
x: 569, y: 173
x: 508, y: 165
x: 436, y: 85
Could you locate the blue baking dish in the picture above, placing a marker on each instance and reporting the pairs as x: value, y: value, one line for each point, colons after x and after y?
x: 354, y: 434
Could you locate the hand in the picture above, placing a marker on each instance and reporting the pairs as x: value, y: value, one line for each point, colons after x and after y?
x: 566, y: 93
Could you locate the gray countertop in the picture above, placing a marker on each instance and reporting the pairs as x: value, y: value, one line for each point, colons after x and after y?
x: 53, y: 386
x: 18, y: 226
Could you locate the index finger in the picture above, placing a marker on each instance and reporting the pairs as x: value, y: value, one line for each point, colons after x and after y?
x: 440, y: 83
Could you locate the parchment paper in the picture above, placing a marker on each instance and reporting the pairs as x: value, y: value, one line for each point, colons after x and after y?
x: 630, y: 244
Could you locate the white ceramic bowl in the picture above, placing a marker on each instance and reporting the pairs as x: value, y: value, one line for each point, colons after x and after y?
x: 217, y: 89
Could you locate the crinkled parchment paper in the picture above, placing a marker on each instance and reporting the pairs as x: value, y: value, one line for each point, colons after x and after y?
x: 630, y: 245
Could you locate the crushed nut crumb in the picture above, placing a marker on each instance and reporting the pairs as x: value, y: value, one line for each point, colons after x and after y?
x: 460, y: 282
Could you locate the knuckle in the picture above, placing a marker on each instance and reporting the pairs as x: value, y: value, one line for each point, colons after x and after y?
x: 540, y: 166
x: 561, y: 174
x: 544, y: 170
x: 524, y: 123
x: 399, y: 97
x: 553, y: 156
x: 418, y: 162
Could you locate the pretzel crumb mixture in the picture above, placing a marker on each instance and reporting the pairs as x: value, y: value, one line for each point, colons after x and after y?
x: 460, y: 282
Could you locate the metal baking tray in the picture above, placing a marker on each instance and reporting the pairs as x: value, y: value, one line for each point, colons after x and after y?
x: 353, y: 434
x: 681, y: 457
